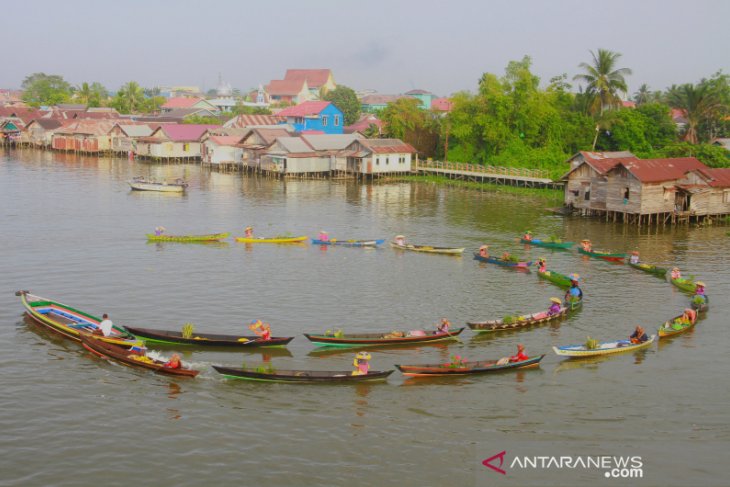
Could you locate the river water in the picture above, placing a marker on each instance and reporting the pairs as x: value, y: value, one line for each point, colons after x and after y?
x: 73, y: 231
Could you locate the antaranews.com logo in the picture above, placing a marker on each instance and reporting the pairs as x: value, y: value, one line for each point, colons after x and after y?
x: 608, y: 466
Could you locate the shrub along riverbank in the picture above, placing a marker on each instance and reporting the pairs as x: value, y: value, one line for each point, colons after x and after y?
x: 555, y: 195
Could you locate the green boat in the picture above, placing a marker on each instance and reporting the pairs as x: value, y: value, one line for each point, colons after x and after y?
x: 599, y: 254
x: 556, y: 278
x: 212, y: 237
x: 687, y: 285
x: 651, y: 269
x: 548, y: 244
x: 574, y: 304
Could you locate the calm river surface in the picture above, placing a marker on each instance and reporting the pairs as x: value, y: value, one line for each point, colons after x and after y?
x: 73, y: 231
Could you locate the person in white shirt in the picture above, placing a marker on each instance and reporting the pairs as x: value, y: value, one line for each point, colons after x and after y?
x: 106, y: 325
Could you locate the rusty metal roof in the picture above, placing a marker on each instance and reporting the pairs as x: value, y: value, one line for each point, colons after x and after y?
x: 658, y: 170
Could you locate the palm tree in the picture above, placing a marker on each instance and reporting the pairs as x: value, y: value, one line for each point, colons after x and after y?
x: 642, y: 95
x: 698, y: 102
x: 604, y: 79
x: 132, y: 96
x: 83, y: 93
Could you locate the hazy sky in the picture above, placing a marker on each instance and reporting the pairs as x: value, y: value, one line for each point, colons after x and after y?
x: 390, y: 46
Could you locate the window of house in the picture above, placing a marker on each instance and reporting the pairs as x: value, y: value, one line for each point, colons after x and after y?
x: 299, y: 120
x: 324, y: 120
x: 336, y: 120
x: 387, y: 160
x: 186, y: 147
x: 626, y: 194
x: 726, y: 196
x: 377, y: 161
x: 587, y: 194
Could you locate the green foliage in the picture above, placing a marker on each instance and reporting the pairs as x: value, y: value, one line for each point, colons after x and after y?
x: 604, y: 80
x: 405, y: 120
x: 265, y: 369
x: 241, y: 109
x: 187, y: 330
x: 591, y: 343
x: 705, y: 106
x: 201, y: 120
x: 346, y: 101
x: 508, y: 319
x: 711, y: 155
x: 130, y: 98
x: 91, y: 95
x: 45, y: 89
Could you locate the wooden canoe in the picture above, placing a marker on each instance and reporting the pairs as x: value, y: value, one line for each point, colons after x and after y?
x: 686, y: 285
x: 548, y: 244
x: 651, y: 269
x: 304, y: 376
x: 476, y: 367
x: 556, y: 278
x: 211, y: 237
x: 349, y: 243
x: 504, y: 263
x: 529, y: 320
x: 114, y: 352
x: 141, y: 184
x: 429, y: 249
x: 70, y: 322
x: 207, y: 339
x: 381, y: 339
x: 668, y: 329
x: 599, y: 254
x: 607, y: 348
x: 279, y: 240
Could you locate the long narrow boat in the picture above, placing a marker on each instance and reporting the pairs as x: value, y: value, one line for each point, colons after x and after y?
x: 599, y: 254
x: 120, y: 354
x: 429, y: 249
x: 556, y: 278
x: 607, y: 348
x: 328, y: 376
x: 522, y: 321
x: 380, y: 339
x: 349, y: 243
x: 466, y: 368
x: 503, y: 263
x: 141, y: 184
x: 574, y: 304
x: 686, y: 285
x: 69, y: 322
x: 279, y: 240
x: 211, y: 237
x: 548, y: 244
x: 670, y: 329
x: 651, y: 269
x: 207, y: 339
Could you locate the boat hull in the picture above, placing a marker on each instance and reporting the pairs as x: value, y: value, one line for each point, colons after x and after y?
x: 608, y: 348
x: 651, y: 269
x: 470, y: 368
x: 207, y: 339
x: 667, y: 330
x: 349, y: 243
x: 685, y: 285
x: 429, y: 249
x: 378, y: 339
x: 302, y: 376
x: 548, y: 245
x: 613, y: 257
x: 213, y: 237
x: 533, y: 319
x: 556, y: 278
x: 272, y: 239
x: 164, y: 188
x: 503, y: 263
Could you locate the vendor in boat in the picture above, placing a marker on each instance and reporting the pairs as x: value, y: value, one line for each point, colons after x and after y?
x: 159, y: 231
x: 554, y: 307
x: 248, y: 232
x: 527, y: 236
x: 689, y: 316
x: 700, y: 290
x: 506, y: 256
x: 105, y: 327
x: 361, y: 363
x: 676, y: 273
x: 400, y: 240
x: 263, y: 330
x: 634, y: 259
x: 174, y: 362
x: 541, y: 265
x: 575, y: 293
x: 443, y: 326
x: 323, y: 236
x: 521, y: 355
x: 639, y: 335
x: 586, y: 245
x: 484, y: 251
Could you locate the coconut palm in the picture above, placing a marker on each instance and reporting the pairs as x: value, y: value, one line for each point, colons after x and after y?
x: 83, y: 93
x: 698, y: 102
x: 604, y: 79
x: 132, y: 96
x: 642, y: 95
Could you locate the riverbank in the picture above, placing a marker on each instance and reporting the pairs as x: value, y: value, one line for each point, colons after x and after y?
x: 554, y: 195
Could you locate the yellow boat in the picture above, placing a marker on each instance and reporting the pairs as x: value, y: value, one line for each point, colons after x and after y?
x: 271, y: 239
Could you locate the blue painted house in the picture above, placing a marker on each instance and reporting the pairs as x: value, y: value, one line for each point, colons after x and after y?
x: 320, y: 116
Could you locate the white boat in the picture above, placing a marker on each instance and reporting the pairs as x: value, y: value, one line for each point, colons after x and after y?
x: 142, y: 184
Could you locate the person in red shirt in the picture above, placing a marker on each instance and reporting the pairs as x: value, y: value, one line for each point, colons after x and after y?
x: 521, y: 356
x: 174, y: 362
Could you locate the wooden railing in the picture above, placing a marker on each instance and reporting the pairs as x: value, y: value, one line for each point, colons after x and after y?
x: 478, y: 168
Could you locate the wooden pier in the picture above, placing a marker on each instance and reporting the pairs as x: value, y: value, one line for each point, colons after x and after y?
x: 510, y: 176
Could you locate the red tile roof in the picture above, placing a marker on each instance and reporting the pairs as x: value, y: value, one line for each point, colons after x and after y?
x: 628, y: 104
x: 603, y: 161
x: 365, y: 121
x: 185, y: 132
x: 387, y: 146
x: 442, y: 104
x: 285, y: 87
x: 720, y: 177
x: 243, y: 121
x: 225, y: 139
x: 315, y: 77
x: 659, y: 170
x: 181, y: 102
x: 305, y: 109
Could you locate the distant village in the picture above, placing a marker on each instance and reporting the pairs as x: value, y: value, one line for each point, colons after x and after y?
x: 302, y: 136
x: 292, y: 132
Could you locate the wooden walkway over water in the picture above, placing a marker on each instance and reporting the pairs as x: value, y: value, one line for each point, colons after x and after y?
x: 511, y: 176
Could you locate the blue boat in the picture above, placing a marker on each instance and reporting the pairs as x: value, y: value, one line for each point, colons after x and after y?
x: 349, y: 243
x: 505, y: 263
